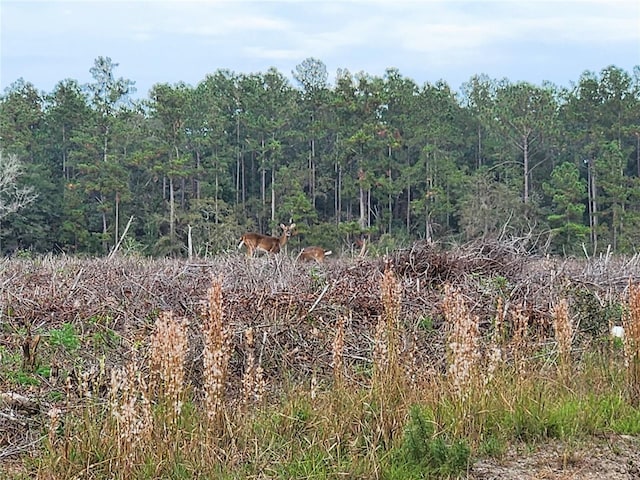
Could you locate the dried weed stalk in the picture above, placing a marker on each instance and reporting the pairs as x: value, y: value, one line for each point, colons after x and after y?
x: 131, y: 409
x: 338, y: 352
x: 253, y: 383
x: 564, y: 336
x: 463, y: 341
x: 380, y: 352
x: 169, y: 346
x: 389, y: 380
x: 54, y: 414
x: 518, y: 344
x: 313, y: 388
x: 387, y: 336
x: 216, y: 354
x: 494, y: 351
x: 631, y: 324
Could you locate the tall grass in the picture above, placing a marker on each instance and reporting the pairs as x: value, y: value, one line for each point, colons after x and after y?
x: 216, y: 354
x: 631, y: 322
x: 498, y: 386
x: 563, y: 329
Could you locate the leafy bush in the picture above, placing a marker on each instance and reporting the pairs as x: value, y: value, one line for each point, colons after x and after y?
x: 424, y: 453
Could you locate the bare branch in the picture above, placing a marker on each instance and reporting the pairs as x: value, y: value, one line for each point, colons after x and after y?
x: 13, y: 197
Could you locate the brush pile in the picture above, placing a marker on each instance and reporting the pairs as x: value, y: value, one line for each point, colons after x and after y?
x: 67, y: 321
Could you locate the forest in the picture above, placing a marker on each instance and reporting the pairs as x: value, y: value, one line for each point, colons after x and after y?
x: 381, y: 158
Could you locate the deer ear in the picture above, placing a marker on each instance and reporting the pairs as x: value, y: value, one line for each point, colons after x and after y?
x: 293, y: 225
x: 282, y: 226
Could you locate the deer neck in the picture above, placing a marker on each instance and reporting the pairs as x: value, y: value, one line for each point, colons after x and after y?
x: 283, y: 239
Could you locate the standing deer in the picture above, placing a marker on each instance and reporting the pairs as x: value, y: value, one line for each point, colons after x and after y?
x: 256, y: 241
x: 313, y: 253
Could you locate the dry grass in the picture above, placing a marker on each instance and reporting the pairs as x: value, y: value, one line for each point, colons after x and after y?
x: 563, y: 330
x: 130, y: 410
x: 308, y: 371
x: 463, y: 342
x: 631, y: 325
x: 338, y: 353
x: 216, y: 354
x: 168, y: 350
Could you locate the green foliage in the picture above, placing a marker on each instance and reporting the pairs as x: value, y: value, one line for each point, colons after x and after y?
x: 595, y: 315
x: 65, y: 337
x: 370, y: 154
x: 492, y: 446
x: 104, y: 340
x: 24, y: 378
x: 568, y: 194
x: 310, y: 463
x: 425, y: 323
x: 10, y: 365
x: 424, y: 453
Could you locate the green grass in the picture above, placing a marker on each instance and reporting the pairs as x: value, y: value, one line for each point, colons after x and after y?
x: 340, y: 433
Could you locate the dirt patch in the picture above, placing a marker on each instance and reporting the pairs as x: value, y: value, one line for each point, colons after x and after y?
x: 612, y: 458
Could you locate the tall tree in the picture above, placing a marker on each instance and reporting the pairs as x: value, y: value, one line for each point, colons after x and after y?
x: 478, y: 97
x: 21, y: 116
x: 524, y: 114
x: 598, y: 110
x: 67, y: 118
x: 168, y: 107
x: 568, y: 195
x: 312, y: 76
x: 108, y: 95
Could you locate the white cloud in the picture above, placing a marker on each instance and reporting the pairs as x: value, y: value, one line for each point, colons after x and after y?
x: 273, y: 53
x: 447, y: 39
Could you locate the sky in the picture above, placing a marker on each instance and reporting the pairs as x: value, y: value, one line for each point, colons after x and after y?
x: 170, y: 41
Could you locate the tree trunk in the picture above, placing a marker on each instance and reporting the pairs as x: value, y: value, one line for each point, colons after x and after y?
x: 312, y: 172
x: 368, y: 207
x: 363, y: 219
x: 525, y: 161
x: 390, y: 206
x: 263, y: 175
x: 273, y: 194
x: 242, y: 179
x: 238, y: 161
x: 338, y: 205
x: 216, y: 200
x: 197, y: 180
x: 104, y: 146
x: 263, y: 186
x: 593, y: 210
x: 117, y: 220
x: 172, y: 231
x: 479, y: 152
x: 64, y: 153
x: 638, y: 152
x: 105, y: 245
x: 183, y: 189
x: 408, y: 207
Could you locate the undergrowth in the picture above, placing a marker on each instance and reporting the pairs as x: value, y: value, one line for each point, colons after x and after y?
x: 499, y: 387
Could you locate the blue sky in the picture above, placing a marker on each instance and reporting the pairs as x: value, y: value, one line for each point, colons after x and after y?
x: 157, y: 41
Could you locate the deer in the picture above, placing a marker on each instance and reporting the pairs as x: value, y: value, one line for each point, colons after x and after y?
x: 313, y: 253
x: 266, y: 243
x: 361, y: 243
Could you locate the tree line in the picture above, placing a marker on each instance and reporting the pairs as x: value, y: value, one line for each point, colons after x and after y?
x: 383, y: 157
